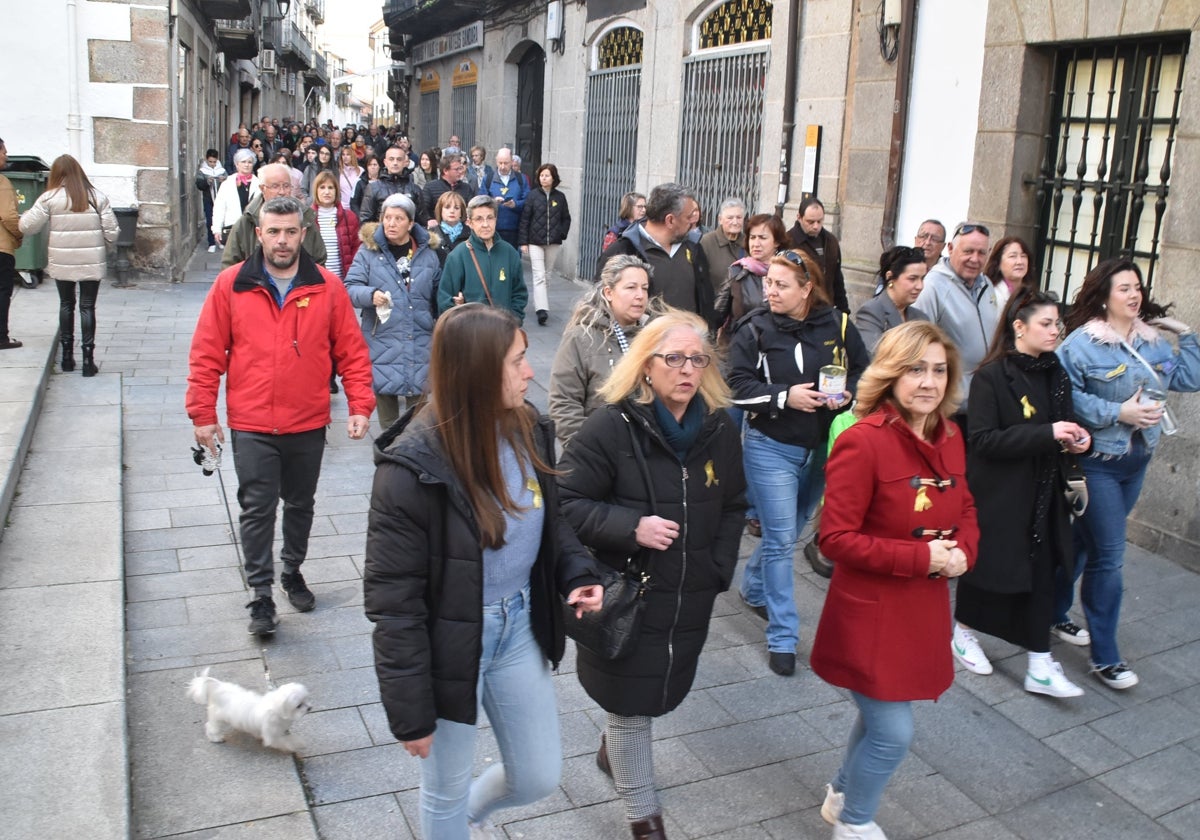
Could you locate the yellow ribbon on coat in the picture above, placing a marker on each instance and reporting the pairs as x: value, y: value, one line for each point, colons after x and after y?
x: 531, y: 484
x: 922, y: 502
x: 1026, y: 408
x: 710, y: 475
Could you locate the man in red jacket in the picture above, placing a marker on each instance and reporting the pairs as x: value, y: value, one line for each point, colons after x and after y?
x: 274, y: 325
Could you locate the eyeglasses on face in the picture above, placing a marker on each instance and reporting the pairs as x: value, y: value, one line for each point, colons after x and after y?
x: 971, y: 227
x: 930, y: 236
x: 677, y: 360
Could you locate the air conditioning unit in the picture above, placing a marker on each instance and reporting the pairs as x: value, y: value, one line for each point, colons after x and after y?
x: 268, y: 61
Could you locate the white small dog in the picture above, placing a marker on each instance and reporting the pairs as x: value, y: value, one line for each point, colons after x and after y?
x: 267, y: 717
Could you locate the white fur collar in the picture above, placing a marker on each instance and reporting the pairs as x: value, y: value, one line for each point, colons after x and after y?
x: 1101, y: 331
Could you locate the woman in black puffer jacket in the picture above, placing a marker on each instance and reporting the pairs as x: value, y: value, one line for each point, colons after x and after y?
x: 682, y: 515
x: 545, y: 223
x: 467, y: 563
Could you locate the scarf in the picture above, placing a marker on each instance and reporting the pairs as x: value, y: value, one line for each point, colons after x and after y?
x: 752, y: 265
x: 680, y: 435
x: 244, y: 180
x: 452, y: 231
x: 1046, y: 467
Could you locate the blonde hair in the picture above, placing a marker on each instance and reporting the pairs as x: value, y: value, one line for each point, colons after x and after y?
x: 900, y: 348
x: 628, y: 378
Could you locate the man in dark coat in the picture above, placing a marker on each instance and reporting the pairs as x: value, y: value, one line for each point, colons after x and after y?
x: 809, y: 234
x: 394, y: 179
x: 452, y: 180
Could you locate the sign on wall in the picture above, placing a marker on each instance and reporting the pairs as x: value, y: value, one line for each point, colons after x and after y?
x: 465, y: 73
x: 431, y: 82
x: 470, y: 37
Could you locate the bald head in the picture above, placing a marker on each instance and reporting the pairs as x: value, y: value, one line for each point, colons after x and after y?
x: 504, y: 161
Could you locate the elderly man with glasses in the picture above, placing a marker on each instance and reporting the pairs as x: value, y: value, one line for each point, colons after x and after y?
x: 960, y: 299
x: 274, y: 181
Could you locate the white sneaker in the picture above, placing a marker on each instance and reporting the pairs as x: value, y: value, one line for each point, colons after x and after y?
x: 482, y: 831
x: 1052, y: 682
x: 966, y: 650
x: 831, y: 808
x: 870, y: 831
x: 212, y: 249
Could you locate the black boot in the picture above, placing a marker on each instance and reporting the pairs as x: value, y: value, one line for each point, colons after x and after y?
x: 89, y: 364
x: 650, y: 828
x: 66, y: 323
x: 68, y: 350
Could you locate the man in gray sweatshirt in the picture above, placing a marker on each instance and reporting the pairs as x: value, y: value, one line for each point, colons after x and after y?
x: 960, y: 299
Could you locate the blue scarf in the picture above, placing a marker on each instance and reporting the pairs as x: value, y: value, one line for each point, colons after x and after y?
x: 452, y: 231
x: 681, y: 435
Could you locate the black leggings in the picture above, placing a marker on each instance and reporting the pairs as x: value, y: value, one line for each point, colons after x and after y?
x: 88, y: 289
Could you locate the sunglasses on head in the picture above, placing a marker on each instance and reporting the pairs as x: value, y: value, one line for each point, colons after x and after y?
x: 795, y: 259
x: 971, y: 227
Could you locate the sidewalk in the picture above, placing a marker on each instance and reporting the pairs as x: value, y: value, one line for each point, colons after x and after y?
x: 745, y: 758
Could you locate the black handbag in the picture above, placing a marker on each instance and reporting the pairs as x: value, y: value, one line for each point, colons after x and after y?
x: 612, y: 631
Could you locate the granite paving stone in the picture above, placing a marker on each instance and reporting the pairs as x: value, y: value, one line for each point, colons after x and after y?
x: 371, y: 816
x: 1150, y: 727
x: 1087, y: 809
x: 1088, y: 750
x: 1159, y: 783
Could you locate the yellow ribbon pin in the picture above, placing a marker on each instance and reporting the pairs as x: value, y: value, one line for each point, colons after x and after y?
x: 1027, y: 409
x: 1115, y: 372
x: 502, y: 278
x: 710, y: 475
x: 533, y: 487
x: 302, y: 303
x: 922, y: 503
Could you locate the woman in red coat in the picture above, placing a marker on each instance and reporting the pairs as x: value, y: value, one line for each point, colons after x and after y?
x: 899, y: 520
x: 337, y: 226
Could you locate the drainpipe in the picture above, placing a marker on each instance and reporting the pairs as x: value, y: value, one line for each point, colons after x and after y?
x: 74, y: 120
x: 891, y: 201
x: 792, y: 63
x: 172, y: 198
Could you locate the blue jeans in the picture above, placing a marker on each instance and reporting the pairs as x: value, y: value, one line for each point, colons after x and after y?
x: 878, y: 743
x: 739, y: 422
x: 1113, y: 488
x: 787, y: 482
x: 515, y: 691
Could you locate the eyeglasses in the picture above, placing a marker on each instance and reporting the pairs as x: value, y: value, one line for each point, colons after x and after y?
x: 795, y: 259
x: 970, y: 227
x: 677, y: 360
x: 931, y: 237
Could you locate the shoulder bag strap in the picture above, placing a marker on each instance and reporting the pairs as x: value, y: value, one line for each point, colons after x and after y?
x: 1145, y: 363
x: 638, y: 561
x: 480, y: 270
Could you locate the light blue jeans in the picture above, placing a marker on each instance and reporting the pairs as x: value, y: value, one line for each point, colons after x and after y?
x: 878, y: 743
x: 517, y: 695
x: 787, y: 482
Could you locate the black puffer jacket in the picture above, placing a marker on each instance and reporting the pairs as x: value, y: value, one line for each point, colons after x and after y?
x: 778, y: 341
x: 604, y: 495
x: 423, y: 581
x: 546, y: 219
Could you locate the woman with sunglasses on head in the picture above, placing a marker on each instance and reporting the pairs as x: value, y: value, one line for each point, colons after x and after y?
x: 656, y: 475
x: 468, y: 563
x: 1121, y: 367
x: 775, y: 370
x: 1022, y: 430
x: 903, y: 273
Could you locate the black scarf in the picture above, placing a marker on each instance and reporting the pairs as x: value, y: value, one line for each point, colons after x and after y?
x: 680, y: 435
x: 1047, y: 467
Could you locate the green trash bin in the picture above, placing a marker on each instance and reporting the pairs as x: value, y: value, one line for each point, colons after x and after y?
x: 28, y: 176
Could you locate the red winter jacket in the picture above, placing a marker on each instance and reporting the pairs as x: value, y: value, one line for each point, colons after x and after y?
x: 276, y: 361
x: 885, y: 628
x: 347, y: 236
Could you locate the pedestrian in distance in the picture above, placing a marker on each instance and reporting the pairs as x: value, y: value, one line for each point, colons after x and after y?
x: 234, y: 195
x: 82, y: 228
x: 485, y: 268
x: 209, y: 178
x: 10, y: 241
x: 898, y: 521
x: 468, y: 562
x: 242, y: 238
x: 274, y: 326
x: 1024, y: 440
x: 337, y: 226
x: 545, y: 223
x: 656, y: 475
x: 1121, y: 368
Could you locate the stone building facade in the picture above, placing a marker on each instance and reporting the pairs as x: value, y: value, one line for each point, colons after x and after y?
x: 961, y: 110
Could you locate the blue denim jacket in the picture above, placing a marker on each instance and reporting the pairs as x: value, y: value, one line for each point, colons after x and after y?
x: 1104, y: 374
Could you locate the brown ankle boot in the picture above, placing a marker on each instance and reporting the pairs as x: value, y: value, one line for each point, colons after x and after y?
x: 650, y: 828
x: 602, y: 757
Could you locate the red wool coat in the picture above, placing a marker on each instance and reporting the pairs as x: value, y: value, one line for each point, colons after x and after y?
x: 885, y: 628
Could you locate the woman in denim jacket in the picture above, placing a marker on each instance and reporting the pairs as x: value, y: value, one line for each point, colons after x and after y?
x: 1114, y: 351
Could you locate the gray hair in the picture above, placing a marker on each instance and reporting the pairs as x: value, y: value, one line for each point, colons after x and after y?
x: 482, y: 201
x: 666, y: 200
x: 284, y: 205
x: 731, y: 204
x: 244, y: 154
x: 517, y: 159
x: 448, y: 159
x: 400, y: 201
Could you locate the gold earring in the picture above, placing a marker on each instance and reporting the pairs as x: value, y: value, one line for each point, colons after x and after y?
x: 891, y: 285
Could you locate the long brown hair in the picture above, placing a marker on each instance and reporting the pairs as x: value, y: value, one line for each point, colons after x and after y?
x: 466, y: 383
x: 66, y: 172
x: 1092, y: 299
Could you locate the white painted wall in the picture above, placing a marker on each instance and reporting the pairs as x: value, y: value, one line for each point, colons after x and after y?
x: 943, y: 115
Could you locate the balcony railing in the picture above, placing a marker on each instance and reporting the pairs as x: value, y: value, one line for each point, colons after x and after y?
x: 226, y: 9
x: 315, y: 9
x: 293, y: 41
x: 318, y: 74
x: 237, y: 38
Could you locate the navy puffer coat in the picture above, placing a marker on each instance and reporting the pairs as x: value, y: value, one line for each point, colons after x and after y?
x: 400, y: 347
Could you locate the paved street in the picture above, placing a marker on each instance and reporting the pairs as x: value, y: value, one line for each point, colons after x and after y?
x: 745, y: 758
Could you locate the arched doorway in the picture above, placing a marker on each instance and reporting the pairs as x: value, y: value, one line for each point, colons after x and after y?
x: 531, y: 83
x: 610, y: 136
